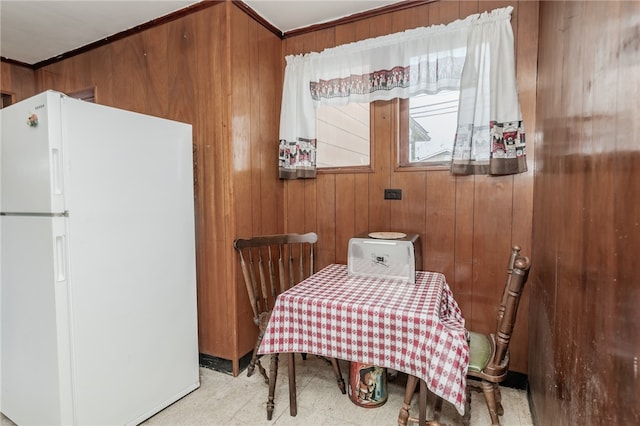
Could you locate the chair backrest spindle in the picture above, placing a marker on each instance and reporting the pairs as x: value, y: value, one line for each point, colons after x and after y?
x: 515, y: 252
x: 263, y: 279
x: 249, y: 281
x: 290, y: 272
x: 271, y: 272
x: 301, y: 263
x: 506, y: 323
x: 283, y: 280
x: 264, y: 276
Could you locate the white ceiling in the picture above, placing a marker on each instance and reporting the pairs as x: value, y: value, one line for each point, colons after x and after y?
x: 287, y: 15
x: 35, y: 31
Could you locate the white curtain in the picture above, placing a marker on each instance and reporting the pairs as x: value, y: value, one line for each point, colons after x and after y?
x: 401, y: 65
x: 490, y: 135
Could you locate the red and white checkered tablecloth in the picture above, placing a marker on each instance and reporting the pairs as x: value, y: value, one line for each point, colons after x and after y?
x: 415, y: 328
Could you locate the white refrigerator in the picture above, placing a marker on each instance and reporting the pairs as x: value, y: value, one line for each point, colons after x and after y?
x: 97, y: 256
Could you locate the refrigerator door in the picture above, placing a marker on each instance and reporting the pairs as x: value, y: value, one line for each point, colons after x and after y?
x: 132, y: 261
x: 35, y: 360
x: 31, y: 161
x: 98, y: 299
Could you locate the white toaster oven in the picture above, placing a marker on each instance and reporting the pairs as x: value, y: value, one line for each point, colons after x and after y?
x: 388, y: 258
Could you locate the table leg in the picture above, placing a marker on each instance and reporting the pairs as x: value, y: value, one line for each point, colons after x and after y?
x: 422, y: 398
x: 403, y: 416
x: 293, y: 401
x: 338, y: 374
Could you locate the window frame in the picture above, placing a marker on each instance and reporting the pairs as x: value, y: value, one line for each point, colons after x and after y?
x: 8, y: 98
x: 400, y: 112
x: 402, y: 146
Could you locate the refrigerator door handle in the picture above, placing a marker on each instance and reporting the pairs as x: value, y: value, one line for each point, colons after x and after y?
x: 63, y: 320
x: 61, y: 258
x: 56, y: 168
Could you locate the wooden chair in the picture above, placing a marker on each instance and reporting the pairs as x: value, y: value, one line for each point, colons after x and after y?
x: 272, y: 264
x: 488, y: 353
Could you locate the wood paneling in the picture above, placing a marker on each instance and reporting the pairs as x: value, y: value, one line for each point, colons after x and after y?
x: 220, y: 71
x: 255, y: 88
x: 17, y: 80
x: 467, y: 224
x: 585, y: 345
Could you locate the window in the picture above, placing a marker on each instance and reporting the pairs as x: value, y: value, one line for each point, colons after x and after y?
x: 6, y: 99
x: 88, y: 94
x: 427, y: 129
x: 343, y: 136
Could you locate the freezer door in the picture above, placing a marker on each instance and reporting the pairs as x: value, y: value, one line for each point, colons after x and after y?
x: 35, y: 361
x: 31, y: 169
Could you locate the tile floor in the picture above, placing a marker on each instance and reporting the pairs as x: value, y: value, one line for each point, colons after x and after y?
x: 226, y: 400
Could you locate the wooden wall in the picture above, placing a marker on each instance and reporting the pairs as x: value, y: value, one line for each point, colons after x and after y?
x: 221, y: 71
x: 583, y: 351
x: 17, y: 80
x: 256, y: 80
x: 467, y: 224
x: 584, y: 341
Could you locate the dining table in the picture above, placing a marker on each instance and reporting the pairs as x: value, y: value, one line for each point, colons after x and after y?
x: 415, y: 328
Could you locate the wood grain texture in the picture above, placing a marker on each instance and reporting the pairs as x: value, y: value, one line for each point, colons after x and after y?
x: 182, y: 70
x: 586, y: 216
x: 467, y: 224
x: 17, y: 80
x: 255, y: 85
x: 525, y: 25
x: 222, y: 72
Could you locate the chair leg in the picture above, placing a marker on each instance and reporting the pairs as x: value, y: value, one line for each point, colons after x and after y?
x: 403, y: 416
x: 252, y: 364
x: 466, y: 419
x: 490, y: 398
x: 338, y: 374
x: 255, y: 361
x: 263, y: 372
x: 293, y: 399
x: 499, y: 407
x: 437, y: 408
x: 273, y: 375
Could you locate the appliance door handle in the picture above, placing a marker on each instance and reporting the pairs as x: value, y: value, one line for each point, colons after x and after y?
x: 56, y: 164
x: 60, y: 253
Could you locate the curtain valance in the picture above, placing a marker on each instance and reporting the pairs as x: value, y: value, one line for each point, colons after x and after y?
x: 473, y: 55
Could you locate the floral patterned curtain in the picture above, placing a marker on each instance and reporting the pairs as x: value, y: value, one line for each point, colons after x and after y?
x: 463, y: 55
x: 297, y: 154
x: 490, y: 138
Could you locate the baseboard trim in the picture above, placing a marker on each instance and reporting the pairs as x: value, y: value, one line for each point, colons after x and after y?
x: 513, y: 380
x: 223, y: 365
x: 516, y: 380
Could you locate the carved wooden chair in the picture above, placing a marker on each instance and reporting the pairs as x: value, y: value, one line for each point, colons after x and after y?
x: 488, y: 353
x: 272, y: 264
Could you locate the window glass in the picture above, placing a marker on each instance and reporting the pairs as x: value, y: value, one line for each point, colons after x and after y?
x: 6, y: 99
x: 427, y: 128
x: 343, y: 136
